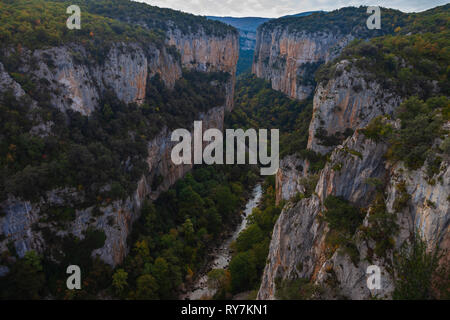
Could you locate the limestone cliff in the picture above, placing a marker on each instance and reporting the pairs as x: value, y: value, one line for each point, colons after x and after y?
x: 288, y: 59
x: 78, y: 86
x: 347, y: 101
x: 290, y: 49
x: 350, y: 100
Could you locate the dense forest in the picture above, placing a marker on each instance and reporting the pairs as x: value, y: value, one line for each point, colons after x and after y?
x: 38, y: 23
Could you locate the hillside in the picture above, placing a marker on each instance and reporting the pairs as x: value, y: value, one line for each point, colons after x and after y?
x: 380, y: 117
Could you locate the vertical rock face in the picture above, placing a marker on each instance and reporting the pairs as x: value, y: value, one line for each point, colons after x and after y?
x: 8, y: 83
x: 204, y: 52
x: 288, y: 59
x: 287, y: 179
x: 76, y: 83
x: 347, y: 101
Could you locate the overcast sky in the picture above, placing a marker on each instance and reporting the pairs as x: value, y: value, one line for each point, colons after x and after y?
x: 278, y: 8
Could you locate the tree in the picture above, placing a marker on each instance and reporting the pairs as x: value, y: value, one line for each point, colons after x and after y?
x: 243, y: 271
x: 146, y: 288
x: 120, y: 280
x: 249, y: 237
x: 219, y: 280
x: 161, y: 272
x: 415, y: 267
x: 26, y: 279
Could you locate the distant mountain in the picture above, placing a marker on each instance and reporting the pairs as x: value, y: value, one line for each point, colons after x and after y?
x: 303, y: 14
x: 244, y: 24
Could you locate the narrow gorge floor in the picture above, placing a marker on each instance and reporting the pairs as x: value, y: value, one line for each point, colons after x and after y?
x: 222, y: 254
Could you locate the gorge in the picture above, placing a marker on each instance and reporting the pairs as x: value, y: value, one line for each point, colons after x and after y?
x: 87, y: 176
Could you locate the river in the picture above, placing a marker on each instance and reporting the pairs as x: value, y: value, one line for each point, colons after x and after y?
x: 222, y: 254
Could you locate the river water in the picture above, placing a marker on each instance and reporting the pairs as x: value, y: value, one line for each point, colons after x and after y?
x: 222, y: 254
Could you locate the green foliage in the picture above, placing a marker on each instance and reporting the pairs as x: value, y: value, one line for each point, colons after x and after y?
x: 341, y: 215
x: 412, y: 143
x: 38, y: 23
x: 245, y: 62
x: 416, y: 268
x: 407, y: 65
x: 420, y: 125
x: 343, y: 220
x: 403, y: 197
x: 334, y: 139
x: 377, y: 130
x: 411, y: 58
x: 146, y: 288
x: 243, y: 271
x: 219, y: 280
x: 342, y: 21
x: 50, y: 277
x: 153, y: 17
x: 25, y: 280
x: 309, y: 183
x: 119, y: 281
x: 316, y: 160
x: 382, y: 226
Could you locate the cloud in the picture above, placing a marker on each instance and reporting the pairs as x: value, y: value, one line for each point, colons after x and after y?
x: 277, y: 8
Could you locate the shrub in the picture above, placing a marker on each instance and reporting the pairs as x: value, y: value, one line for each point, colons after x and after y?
x: 414, y: 268
x: 341, y: 215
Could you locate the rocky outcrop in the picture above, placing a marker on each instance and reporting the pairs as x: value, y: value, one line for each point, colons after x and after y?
x: 289, y: 59
x: 287, y: 179
x: 347, y: 101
